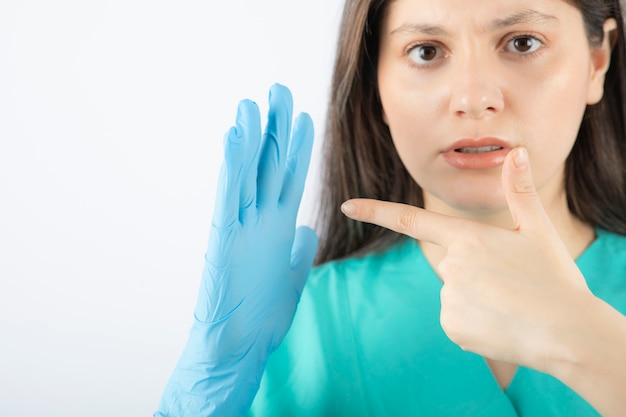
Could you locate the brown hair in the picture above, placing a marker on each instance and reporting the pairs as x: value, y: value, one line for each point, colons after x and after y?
x: 360, y: 159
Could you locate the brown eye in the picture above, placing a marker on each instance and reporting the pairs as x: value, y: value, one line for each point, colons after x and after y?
x: 428, y: 53
x: 424, y: 53
x: 523, y: 44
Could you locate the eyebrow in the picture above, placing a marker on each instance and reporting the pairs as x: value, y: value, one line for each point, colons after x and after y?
x: 525, y: 16
x: 522, y: 17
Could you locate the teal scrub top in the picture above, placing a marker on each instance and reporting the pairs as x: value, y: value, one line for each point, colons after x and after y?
x: 366, y: 341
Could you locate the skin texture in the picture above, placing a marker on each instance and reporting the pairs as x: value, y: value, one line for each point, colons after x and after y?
x: 501, y: 238
x: 516, y: 296
x: 476, y: 72
x: 479, y: 85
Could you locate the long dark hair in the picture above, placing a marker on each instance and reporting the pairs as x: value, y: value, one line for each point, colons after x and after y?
x: 360, y: 159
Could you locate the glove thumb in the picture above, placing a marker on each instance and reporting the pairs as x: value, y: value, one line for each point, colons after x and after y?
x: 302, y: 254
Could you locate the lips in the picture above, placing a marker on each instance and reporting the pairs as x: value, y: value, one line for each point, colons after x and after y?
x: 481, y: 149
x: 484, y: 153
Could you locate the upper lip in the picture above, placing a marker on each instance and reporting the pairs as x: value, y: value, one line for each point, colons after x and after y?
x: 478, y: 143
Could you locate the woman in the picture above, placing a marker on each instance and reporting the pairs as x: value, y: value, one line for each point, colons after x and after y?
x: 447, y: 106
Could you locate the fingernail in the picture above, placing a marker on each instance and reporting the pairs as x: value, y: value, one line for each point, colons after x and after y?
x: 520, y: 158
x: 348, y: 208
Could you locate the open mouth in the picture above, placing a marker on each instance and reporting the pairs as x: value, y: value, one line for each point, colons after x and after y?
x: 482, y: 149
x: 485, y: 153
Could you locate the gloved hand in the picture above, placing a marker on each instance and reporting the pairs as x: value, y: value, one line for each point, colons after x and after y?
x: 255, y: 266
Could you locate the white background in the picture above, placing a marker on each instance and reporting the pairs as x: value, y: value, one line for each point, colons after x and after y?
x: 112, y: 115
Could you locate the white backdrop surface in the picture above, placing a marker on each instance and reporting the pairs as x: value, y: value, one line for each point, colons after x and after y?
x: 112, y: 115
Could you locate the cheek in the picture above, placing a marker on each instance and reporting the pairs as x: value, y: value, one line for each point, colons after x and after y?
x: 412, y: 127
x: 554, y: 107
x: 407, y: 98
x: 559, y: 87
x: 550, y: 110
x: 412, y: 115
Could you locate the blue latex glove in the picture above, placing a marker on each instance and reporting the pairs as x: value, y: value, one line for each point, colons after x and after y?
x: 255, y: 266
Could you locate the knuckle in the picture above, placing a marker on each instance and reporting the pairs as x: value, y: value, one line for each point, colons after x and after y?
x: 449, y: 315
x: 368, y: 212
x: 525, y: 186
x: 452, y: 267
x: 444, y: 269
x: 463, y: 250
x: 407, y: 220
x: 447, y: 323
x: 451, y: 329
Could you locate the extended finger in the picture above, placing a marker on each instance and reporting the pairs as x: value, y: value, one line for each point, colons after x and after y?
x: 521, y: 194
x: 298, y: 159
x: 249, y: 128
x: 408, y: 220
x: 226, y: 211
x: 274, y: 147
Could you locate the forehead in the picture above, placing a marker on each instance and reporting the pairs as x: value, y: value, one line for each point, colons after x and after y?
x: 482, y: 15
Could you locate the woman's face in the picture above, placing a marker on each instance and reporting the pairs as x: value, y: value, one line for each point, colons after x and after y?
x: 462, y: 82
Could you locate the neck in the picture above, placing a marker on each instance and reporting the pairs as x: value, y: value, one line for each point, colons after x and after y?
x: 575, y: 234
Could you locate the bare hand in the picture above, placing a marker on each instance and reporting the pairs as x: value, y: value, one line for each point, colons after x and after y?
x: 508, y: 294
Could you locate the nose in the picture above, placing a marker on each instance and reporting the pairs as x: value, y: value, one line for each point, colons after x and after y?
x: 475, y: 91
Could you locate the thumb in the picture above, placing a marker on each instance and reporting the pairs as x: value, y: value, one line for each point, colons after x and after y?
x: 303, y: 254
x: 521, y: 194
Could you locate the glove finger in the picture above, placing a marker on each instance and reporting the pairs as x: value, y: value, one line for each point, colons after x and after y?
x: 249, y: 127
x: 274, y: 147
x: 225, y: 218
x: 226, y: 210
x: 297, y: 164
x: 303, y: 254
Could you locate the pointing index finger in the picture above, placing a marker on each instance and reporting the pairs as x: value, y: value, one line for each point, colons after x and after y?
x: 403, y: 218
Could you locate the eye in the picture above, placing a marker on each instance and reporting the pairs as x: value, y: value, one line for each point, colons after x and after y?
x: 424, y: 54
x: 523, y: 44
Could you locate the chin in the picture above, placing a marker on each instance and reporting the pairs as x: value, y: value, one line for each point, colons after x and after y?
x: 467, y: 199
x: 462, y: 189
x: 478, y: 206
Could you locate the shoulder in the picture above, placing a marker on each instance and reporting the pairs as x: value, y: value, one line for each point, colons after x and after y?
x: 608, y: 250
x: 604, y: 266
x: 612, y: 241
